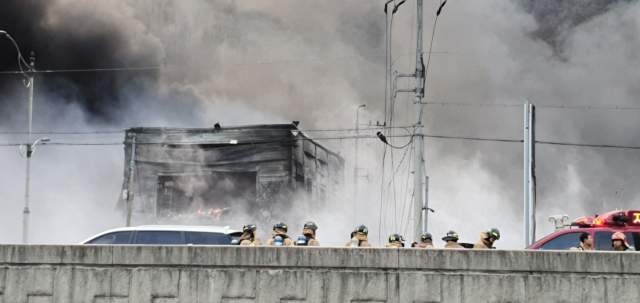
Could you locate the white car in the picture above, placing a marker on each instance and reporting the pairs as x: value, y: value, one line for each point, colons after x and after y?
x: 167, y: 235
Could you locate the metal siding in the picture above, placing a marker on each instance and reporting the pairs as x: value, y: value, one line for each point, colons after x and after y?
x: 309, y: 148
x: 275, y: 162
x: 321, y: 155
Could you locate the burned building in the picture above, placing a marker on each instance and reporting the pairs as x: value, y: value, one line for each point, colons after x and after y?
x: 214, y: 175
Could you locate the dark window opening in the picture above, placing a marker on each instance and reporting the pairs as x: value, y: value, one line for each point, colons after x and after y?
x: 207, y: 196
x: 309, y: 187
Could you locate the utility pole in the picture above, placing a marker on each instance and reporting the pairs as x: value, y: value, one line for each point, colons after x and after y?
x: 129, y: 193
x: 26, y: 212
x: 417, y: 137
x: 426, y: 206
x: 26, y: 149
x: 529, y: 174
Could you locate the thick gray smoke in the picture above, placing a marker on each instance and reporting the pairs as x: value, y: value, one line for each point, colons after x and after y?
x: 254, y: 62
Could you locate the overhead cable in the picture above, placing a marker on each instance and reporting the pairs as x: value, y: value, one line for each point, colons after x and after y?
x: 338, y: 138
x: 560, y: 106
x: 370, y: 127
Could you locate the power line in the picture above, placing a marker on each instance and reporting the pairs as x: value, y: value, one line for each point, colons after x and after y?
x: 371, y: 127
x: 116, y: 69
x: 595, y: 107
x: 474, y: 139
x: 587, y: 107
x: 334, y: 138
x: 588, y: 145
x: 63, y: 133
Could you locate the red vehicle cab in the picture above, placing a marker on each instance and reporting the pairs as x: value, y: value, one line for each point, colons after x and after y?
x: 601, y: 229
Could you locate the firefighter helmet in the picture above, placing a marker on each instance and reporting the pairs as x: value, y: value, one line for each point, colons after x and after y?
x: 396, y: 238
x: 427, y: 237
x: 493, y: 233
x: 620, y: 236
x: 310, y: 225
x: 451, y: 236
x: 249, y: 228
x: 362, y: 229
x: 281, y: 226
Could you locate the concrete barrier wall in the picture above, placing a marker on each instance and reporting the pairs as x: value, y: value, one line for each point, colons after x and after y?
x: 166, y: 274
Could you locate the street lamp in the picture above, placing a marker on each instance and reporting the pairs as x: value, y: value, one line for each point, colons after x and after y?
x: 28, y: 150
x: 21, y: 60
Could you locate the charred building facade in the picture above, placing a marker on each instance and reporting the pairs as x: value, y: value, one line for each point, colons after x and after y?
x: 214, y: 175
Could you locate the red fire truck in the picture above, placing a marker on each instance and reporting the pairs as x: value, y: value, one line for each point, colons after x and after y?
x: 601, y: 229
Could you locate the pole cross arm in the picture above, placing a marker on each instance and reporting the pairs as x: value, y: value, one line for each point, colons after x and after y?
x: 396, y: 75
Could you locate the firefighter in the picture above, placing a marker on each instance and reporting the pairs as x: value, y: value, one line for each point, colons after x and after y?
x: 360, y: 239
x: 395, y: 240
x: 586, y: 242
x: 619, y: 242
x: 280, y: 230
x: 308, y: 237
x: 427, y: 241
x: 250, y: 235
x: 452, y: 240
x: 487, y: 238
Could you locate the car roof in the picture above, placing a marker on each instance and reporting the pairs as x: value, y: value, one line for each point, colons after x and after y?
x: 187, y: 228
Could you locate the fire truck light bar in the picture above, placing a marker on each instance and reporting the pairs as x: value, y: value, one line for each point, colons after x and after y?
x: 584, y: 222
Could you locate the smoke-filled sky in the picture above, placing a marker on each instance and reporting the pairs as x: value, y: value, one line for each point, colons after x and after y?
x: 255, y: 62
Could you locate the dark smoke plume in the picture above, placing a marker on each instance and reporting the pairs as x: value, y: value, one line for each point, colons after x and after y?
x: 556, y: 18
x: 80, y: 35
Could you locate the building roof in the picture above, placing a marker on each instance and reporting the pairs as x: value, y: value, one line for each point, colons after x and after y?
x: 225, y: 136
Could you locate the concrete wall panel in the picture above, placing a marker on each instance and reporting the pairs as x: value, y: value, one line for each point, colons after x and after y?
x: 493, y: 288
x: 238, y: 284
x: 420, y: 287
x: 168, y: 274
x: 23, y: 281
x: 622, y: 289
x: 151, y: 283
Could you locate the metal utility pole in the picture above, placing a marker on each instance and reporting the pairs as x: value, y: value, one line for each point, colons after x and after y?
x: 355, y: 160
x: 529, y: 174
x: 26, y: 212
x: 129, y: 195
x: 418, y: 139
x: 426, y: 206
x: 27, y: 150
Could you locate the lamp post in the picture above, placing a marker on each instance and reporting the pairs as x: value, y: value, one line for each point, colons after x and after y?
x: 355, y: 165
x: 28, y: 150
